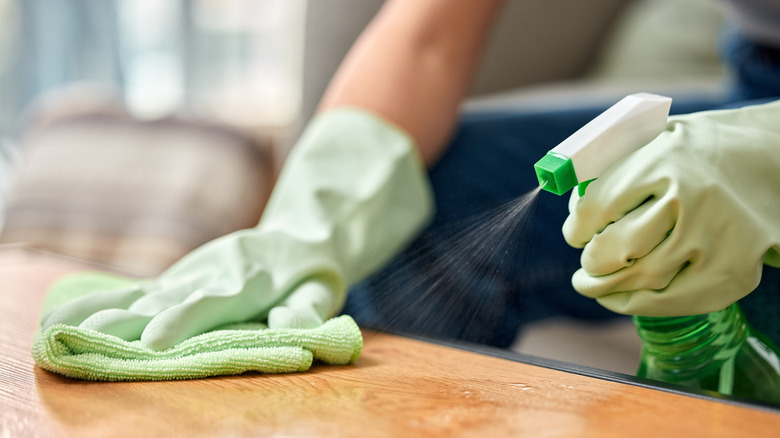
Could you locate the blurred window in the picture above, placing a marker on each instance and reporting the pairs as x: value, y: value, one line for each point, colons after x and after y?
x: 236, y: 60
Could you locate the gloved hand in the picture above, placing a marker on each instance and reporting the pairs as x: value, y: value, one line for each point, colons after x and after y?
x: 351, y: 193
x: 683, y: 225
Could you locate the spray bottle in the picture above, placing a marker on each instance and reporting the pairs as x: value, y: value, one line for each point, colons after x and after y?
x: 717, y: 351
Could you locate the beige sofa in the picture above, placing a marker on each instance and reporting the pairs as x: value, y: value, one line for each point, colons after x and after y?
x: 135, y: 195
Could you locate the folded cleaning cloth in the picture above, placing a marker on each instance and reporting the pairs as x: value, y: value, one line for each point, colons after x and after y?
x: 233, y: 349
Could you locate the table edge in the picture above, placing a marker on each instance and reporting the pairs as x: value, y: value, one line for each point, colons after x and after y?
x: 596, y: 373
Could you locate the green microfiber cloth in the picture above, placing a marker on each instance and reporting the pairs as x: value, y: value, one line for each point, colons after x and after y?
x: 87, y: 354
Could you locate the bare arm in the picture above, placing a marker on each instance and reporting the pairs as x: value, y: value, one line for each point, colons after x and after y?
x: 413, y: 65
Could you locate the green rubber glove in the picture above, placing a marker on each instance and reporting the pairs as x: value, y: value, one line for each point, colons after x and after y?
x: 683, y: 225
x: 352, y: 192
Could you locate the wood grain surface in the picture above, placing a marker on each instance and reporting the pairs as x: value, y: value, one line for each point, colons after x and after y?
x: 399, y: 388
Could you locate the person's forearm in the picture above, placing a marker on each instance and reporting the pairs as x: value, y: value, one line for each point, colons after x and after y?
x: 413, y: 66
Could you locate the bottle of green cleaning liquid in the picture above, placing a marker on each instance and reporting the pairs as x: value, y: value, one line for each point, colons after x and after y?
x: 716, y: 351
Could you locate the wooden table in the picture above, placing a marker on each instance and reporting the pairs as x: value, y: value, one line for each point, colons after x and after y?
x: 398, y: 387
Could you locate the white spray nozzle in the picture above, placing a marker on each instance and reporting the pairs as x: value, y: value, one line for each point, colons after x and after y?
x: 623, y: 128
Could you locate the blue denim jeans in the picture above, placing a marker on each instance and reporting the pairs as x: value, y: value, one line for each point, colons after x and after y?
x: 486, y: 265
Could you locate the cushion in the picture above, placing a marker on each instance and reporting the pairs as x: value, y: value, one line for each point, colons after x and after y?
x: 132, y: 194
